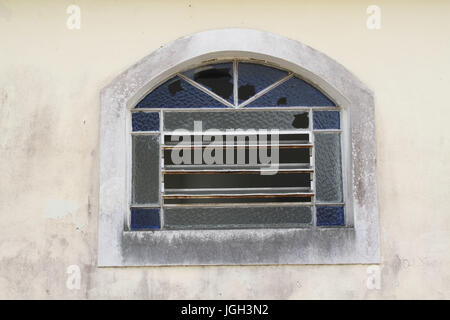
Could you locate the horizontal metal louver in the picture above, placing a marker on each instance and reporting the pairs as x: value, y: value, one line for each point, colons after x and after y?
x: 235, y: 182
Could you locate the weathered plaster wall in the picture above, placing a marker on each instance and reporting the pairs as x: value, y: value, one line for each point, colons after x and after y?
x: 50, y: 80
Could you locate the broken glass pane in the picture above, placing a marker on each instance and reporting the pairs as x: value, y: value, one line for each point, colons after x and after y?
x: 177, y: 93
x: 293, y: 93
x: 254, y: 78
x: 216, y: 77
x: 234, y: 119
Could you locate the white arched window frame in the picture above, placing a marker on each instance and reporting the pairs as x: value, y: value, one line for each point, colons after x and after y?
x: 357, y: 242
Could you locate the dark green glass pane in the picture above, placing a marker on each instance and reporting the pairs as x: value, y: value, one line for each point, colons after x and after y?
x: 237, y: 119
x: 328, y: 167
x: 236, y: 217
x: 145, y: 171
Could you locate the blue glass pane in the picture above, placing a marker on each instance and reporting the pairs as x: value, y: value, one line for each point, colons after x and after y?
x: 216, y: 77
x: 254, y: 78
x: 293, y: 93
x: 330, y: 216
x: 145, y: 121
x: 145, y: 219
x: 177, y: 93
x: 326, y: 120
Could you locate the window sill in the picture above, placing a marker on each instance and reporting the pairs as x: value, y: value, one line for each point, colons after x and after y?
x: 337, y: 245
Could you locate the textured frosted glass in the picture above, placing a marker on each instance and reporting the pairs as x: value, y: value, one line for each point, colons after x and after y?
x: 177, y: 93
x: 326, y: 120
x: 145, y: 171
x: 292, y: 93
x: 145, y: 121
x: 142, y: 218
x: 254, y: 78
x: 330, y: 216
x: 217, y: 218
x: 283, y: 120
x: 328, y: 167
x: 216, y: 77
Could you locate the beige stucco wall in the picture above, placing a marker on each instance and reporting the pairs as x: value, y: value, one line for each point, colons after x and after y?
x: 50, y: 80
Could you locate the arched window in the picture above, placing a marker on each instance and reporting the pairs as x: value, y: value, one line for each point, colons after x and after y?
x: 224, y: 155
x: 230, y: 172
